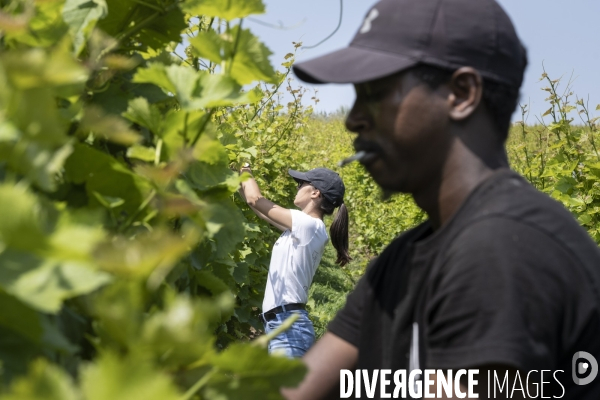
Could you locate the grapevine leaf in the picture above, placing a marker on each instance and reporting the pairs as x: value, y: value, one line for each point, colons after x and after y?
x: 163, y: 30
x: 231, y: 220
x: 139, y: 258
x: 251, y: 60
x: 21, y: 228
x: 181, y: 334
x: 76, y: 234
x: 115, y: 99
x: 248, y: 372
x: 179, y: 128
x: 155, y: 73
x: 46, y: 27
x: 208, y: 45
x: 108, y: 126
x: 116, y: 378
x: 43, y: 382
x: 229, y: 10
x: 159, y: 24
x: 141, y: 152
x: 212, y: 283
x: 220, y: 91
x: 38, y: 68
x: 19, y: 318
x: 103, y: 174
x: 210, y: 151
x: 45, y: 283
x: 195, y: 90
x: 118, y: 308
x: 139, y: 111
x: 205, y: 176
x: 81, y: 16
x: 240, y: 274
x: 584, y: 219
x: 39, y: 162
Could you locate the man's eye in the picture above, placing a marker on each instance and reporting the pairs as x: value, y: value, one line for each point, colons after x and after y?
x: 374, y: 95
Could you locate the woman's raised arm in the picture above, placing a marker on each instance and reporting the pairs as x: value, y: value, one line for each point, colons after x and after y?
x: 277, y: 216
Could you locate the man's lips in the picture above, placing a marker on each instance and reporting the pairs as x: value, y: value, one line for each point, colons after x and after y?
x: 370, y: 151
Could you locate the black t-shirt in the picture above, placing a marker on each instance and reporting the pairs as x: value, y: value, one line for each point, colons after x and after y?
x: 510, y: 279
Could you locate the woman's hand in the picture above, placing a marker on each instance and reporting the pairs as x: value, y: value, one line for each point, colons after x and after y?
x: 246, y: 168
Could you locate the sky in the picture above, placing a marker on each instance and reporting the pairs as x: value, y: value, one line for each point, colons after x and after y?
x: 560, y: 36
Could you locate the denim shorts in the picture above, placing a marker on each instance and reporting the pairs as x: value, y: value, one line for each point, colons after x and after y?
x: 294, y: 342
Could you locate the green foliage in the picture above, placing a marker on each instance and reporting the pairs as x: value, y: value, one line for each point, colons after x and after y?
x: 128, y: 263
x: 561, y: 158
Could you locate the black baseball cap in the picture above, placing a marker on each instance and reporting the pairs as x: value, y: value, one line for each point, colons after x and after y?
x: 327, y: 181
x: 399, y: 34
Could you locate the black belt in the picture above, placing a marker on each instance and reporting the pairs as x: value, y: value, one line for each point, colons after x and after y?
x: 272, y: 313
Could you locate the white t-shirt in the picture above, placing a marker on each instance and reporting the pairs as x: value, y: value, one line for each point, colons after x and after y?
x: 296, y: 255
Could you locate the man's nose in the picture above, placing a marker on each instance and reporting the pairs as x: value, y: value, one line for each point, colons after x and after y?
x: 357, y: 120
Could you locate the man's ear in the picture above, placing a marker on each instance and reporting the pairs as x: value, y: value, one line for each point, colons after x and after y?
x: 466, y: 88
x: 315, y: 194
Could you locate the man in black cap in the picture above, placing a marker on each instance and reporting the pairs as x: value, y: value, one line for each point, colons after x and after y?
x: 500, y: 278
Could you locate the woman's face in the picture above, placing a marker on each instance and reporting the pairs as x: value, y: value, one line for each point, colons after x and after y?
x: 305, y: 193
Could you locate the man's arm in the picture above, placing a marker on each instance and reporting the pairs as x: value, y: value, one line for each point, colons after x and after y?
x: 324, y: 361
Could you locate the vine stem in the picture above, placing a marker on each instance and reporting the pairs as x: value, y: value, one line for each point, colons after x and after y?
x: 138, y: 211
x: 264, y: 340
x: 202, y: 127
x: 235, y: 46
x: 197, y: 386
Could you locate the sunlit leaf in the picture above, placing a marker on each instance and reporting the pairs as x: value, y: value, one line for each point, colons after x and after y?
x: 23, y: 227
x: 261, y: 381
x: 43, y: 382
x: 139, y: 258
x: 208, y: 45
x: 116, y: 378
x: 229, y: 10
x: 251, y: 60
x: 46, y: 27
x: 210, y: 151
x: 141, y: 152
x: 181, y: 333
x: 156, y: 74
x: 81, y: 16
x: 109, y: 127
x: 144, y: 114
x: 45, y: 283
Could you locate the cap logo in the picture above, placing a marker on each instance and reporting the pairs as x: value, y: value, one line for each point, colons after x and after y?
x: 366, y: 26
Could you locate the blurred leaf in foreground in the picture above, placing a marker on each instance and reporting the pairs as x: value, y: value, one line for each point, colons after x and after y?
x: 43, y: 382
x: 125, y: 378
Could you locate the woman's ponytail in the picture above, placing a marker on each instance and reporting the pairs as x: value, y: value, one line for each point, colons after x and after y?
x: 339, y: 235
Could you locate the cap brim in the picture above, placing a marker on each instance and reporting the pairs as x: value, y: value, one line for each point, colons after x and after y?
x: 352, y: 65
x: 298, y: 175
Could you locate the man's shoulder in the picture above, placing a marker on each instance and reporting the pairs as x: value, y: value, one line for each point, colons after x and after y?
x: 509, y: 197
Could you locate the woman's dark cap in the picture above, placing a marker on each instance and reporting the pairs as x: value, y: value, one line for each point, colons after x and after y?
x: 398, y: 34
x: 328, y: 182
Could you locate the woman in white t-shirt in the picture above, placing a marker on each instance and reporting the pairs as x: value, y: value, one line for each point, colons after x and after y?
x: 297, y: 252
